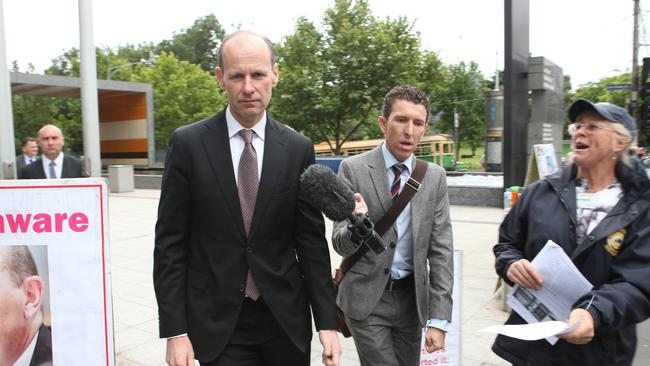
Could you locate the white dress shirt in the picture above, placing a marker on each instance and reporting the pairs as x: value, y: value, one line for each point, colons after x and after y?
x: 57, y: 169
x: 237, y: 142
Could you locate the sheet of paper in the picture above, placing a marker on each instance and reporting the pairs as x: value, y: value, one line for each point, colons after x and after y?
x: 533, y: 331
x: 563, y: 285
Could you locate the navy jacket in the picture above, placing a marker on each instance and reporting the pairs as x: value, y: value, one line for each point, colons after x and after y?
x: 614, y: 257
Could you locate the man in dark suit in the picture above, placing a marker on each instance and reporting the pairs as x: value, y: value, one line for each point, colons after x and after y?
x: 24, y: 340
x: 53, y: 163
x: 29, y: 155
x: 238, y: 264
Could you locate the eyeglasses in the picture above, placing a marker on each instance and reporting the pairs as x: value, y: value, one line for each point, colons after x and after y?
x: 590, y: 128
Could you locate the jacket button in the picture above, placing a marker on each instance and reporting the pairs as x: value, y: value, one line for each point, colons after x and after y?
x: 392, y: 244
x: 590, y: 237
x: 571, y: 226
x: 242, y: 287
x: 386, y: 271
x: 249, y: 249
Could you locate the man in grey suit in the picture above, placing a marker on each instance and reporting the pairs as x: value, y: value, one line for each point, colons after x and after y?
x: 388, y: 298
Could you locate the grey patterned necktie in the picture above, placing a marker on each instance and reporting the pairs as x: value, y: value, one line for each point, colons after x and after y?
x: 52, y: 171
x: 247, y: 185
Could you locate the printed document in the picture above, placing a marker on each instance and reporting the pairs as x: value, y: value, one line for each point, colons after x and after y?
x: 562, y: 286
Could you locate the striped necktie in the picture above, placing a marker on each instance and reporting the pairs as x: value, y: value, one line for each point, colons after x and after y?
x: 395, y: 186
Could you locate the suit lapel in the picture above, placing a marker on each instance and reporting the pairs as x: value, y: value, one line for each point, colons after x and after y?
x: 216, y: 143
x: 275, y: 155
x: 377, y: 171
x: 418, y: 208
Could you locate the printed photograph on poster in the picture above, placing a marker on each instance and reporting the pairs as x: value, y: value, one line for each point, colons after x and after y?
x: 25, y: 328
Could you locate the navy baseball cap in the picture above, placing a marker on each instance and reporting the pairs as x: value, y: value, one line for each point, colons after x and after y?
x: 611, y: 112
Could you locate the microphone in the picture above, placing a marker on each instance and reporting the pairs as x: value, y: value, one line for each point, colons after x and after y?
x: 331, y: 195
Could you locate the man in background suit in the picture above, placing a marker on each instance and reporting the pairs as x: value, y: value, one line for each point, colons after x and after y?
x: 30, y: 150
x: 24, y: 339
x: 53, y: 163
x: 237, y: 264
x: 388, y: 298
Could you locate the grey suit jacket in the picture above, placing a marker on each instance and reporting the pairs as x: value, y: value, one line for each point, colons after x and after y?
x: 364, y: 283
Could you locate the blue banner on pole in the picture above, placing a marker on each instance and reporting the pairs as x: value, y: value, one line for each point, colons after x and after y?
x: 618, y: 86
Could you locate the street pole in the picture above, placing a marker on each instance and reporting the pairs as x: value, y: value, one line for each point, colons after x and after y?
x: 89, y: 103
x: 635, y: 56
x: 456, y: 133
x: 7, y: 145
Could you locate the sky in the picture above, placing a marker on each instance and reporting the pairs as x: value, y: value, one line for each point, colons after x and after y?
x: 589, y: 39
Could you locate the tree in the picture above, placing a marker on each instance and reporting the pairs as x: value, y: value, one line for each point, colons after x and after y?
x: 464, y: 92
x: 332, y: 83
x: 183, y: 93
x: 197, y: 44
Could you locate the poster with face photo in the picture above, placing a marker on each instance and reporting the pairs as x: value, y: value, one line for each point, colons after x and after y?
x: 55, y: 298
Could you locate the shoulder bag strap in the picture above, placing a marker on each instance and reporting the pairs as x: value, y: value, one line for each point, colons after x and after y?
x: 412, y: 186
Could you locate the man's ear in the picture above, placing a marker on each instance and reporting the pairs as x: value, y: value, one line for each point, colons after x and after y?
x: 382, y: 124
x: 218, y: 73
x: 276, y: 74
x: 33, y: 289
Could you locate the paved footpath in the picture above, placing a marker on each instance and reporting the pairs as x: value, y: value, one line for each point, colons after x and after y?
x: 132, y: 217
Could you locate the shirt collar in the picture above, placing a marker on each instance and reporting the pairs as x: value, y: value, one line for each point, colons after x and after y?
x: 234, y: 126
x: 58, y: 161
x: 390, y: 160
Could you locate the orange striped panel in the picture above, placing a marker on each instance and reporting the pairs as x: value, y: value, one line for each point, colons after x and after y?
x: 123, y: 107
x: 139, y: 145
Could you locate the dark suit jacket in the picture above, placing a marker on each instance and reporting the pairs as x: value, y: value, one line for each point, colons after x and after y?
x: 71, y: 169
x: 20, y: 163
x: 202, y: 254
x: 43, y: 351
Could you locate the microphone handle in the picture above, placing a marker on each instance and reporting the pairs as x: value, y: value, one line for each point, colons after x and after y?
x: 364, y: 230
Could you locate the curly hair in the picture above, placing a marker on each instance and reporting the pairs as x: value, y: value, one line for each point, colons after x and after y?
x: 404, y: 92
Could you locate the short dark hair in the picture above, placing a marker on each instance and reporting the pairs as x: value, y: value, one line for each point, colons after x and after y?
x: 241, y: 32
x: 26, y: 140
x: 18, y: 262
x: 404, y: 92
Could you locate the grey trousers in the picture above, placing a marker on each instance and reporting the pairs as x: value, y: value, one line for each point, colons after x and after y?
x: 391, y: 334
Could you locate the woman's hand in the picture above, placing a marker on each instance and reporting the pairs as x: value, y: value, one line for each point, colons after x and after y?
x: 524, y: 273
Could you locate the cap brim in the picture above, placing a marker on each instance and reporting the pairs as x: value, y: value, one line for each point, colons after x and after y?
x: 578, y: 107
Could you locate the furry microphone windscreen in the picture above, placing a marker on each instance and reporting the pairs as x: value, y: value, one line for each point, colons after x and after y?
x: 322, y: 188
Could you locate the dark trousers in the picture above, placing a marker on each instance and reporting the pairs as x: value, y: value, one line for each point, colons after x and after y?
x: 259, y: 340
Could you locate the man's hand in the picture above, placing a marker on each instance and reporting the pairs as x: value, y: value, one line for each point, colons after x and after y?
x: 331, y: 347
x: 585, y: 331
x: 434, y: 340
x: 524, y: 273
x: 360, y: 206
x: 180, y: 352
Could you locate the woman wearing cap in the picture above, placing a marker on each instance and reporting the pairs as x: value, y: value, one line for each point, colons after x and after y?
x: 598, y: 210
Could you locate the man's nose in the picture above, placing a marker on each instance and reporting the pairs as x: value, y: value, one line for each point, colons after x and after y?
x: 248, y: 85
x: 408, y: 129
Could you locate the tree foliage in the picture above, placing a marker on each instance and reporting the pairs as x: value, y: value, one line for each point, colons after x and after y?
x: 197, y: 44
x: 464, y: 92
x: 332, y: 82
x: 183, y: 93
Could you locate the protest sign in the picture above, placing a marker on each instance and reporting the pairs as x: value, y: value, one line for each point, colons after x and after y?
x: 62, y: 225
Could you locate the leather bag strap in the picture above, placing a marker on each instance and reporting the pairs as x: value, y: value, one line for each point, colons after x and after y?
x: 412, y: 186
